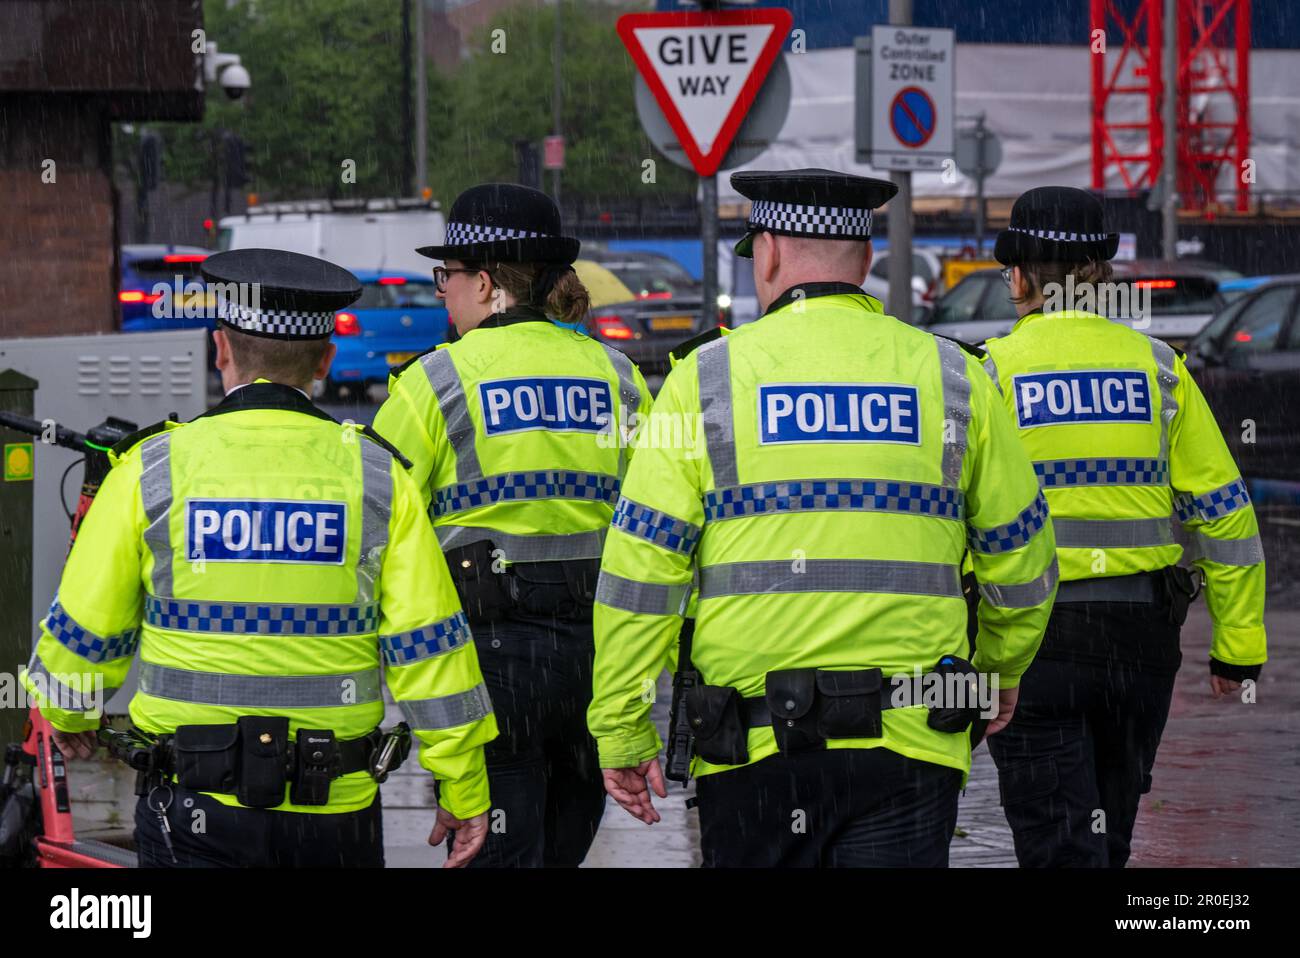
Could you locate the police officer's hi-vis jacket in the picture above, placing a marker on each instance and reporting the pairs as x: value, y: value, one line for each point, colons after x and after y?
x: 266, y: 559
x: 1121, y: 438
x: 515, y: 433
x: 851, y: 462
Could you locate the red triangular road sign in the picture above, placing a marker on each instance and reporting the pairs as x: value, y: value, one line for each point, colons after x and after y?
x: 705, y: 69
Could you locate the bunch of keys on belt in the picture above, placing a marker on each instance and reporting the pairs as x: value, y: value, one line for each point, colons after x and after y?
x: 163, y: 824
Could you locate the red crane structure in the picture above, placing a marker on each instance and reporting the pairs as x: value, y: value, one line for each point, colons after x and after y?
x: 1213, y: 91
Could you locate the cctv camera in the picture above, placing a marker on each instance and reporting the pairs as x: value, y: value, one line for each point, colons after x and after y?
x: 235, y: 80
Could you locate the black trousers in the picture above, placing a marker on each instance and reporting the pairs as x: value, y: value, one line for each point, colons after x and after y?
x: 208, y: 834
x: 841, y: 808
x: 1077, y: 756
x: 547, y: 793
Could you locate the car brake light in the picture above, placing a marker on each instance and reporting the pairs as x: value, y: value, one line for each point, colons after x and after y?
x: 185, y: 257
x: 1242, y: 336
x: 612, y: 327
x: 345, y: 324
x: 392, y: 281
x: 647, y: 294
x: 1155, y: 284
x: 138, y: 296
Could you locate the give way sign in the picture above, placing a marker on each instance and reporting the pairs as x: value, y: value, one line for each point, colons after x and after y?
x: 705, y: 69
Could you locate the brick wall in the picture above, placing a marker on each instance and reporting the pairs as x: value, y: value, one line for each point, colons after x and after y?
x: 57, y: 268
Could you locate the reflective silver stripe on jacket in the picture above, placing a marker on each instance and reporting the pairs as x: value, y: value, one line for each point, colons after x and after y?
x: 447, y: 711
x: 1165, y: 365
x: 1248, y: 551
x: 1022, y: 595
x: 519, y: 548
x: 830, y: 575
x: 156, y: 497
x: 376, y: 510
x: 445, y: 381
x: 628, y: 394
x: 260, y: 691
x: 646, y: 597
x: 715, y: 407
x: 991, y: 368
x: 260, y: 618
x: 79, y: 640
x: 62, y: 696
x: 1112, y: 533
x: 956, y: 408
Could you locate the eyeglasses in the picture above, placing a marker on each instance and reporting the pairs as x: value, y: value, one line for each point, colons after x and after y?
x: 1006, y: 274
x: 441, y: 274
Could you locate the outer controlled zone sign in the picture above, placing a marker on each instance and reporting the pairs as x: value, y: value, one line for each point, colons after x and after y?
x: 912, y: 103
x: 705, y: 69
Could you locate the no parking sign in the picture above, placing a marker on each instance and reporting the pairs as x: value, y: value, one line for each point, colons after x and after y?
x: 912, y: 102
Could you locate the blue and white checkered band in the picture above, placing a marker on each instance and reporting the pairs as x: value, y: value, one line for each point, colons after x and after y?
x: 843, y: 222
x: 1062, y: 235
x: 276, y: 322
x: 462, y: 234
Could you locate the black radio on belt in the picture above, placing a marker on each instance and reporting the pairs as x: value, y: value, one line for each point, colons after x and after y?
x: 317, y: 763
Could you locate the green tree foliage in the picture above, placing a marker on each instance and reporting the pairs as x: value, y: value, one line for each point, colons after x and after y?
x: 499, y: 97
x: 327, y: 87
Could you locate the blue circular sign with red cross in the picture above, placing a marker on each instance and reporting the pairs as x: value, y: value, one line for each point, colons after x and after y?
x: 912, y: 117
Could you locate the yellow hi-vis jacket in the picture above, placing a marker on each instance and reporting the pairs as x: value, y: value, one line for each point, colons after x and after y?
x: 517, y: 433
x: 1121, y: 437
x: 846, y: 463
x: 266, y: 560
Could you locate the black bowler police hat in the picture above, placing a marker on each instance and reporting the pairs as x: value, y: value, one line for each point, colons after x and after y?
x: 816, y: 204
x: 278, y: 294
x: 1055, y: 224
x: 506, y: 223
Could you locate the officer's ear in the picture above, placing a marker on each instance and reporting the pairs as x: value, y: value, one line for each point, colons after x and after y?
x: 326, y: 360
x: 767, y: 256
x: 223, y: 357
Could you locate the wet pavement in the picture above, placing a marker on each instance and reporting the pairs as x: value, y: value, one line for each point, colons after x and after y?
x: 1225, y: 793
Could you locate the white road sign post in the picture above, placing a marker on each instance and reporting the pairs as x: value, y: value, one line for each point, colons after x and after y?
x: 912, y: 97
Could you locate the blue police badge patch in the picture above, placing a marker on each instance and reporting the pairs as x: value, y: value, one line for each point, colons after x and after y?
x: 554, y: 403
x: 266, y: 530
x: 839, y: 412
x: 1068, y: 396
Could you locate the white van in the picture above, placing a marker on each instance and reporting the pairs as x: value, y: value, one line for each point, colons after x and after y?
x: 356, y: 234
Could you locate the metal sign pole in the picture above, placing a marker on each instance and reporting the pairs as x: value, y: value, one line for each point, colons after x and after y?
x: 981, y: 160
x: 709, y: 229
x: 900, y: 213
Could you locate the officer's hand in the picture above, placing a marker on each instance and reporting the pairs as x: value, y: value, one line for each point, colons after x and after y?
x: 469, y: 835
x: 628, y: 788
x: 1007, y: 699
x: 1219, y: 686
x: 76, y: 744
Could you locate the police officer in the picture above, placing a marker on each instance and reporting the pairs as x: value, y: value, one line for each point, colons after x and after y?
x: 515, y: 432
x: 850, y: 460
x: 264, y: 559
x: 1120, y: 437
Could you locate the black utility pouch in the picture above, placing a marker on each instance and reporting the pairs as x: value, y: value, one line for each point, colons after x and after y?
x: 485, y: 594
x: 264, y: 743
x: 848, y: 703
x: 791, y: 695
x: 716, y: 715
x: 542, y: 589
x: 206, y: 757
x: 316, y: 763
x: 582, y: 575
x: 956, y: 716
x: 1179, y: 589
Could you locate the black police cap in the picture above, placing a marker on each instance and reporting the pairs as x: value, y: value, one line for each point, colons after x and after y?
x: 815, y: 204
x: 279, y: 294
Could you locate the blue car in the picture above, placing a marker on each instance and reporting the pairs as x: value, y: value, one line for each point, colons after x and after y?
x: 160, y: 285
x: 398, y: 316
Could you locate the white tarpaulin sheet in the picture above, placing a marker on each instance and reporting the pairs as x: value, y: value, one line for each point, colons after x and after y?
x: 1037, y: 99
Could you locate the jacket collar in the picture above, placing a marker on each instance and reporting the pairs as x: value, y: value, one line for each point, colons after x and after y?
x: 811, y: 290
x: 514, y: 314
x: 262, y: 394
